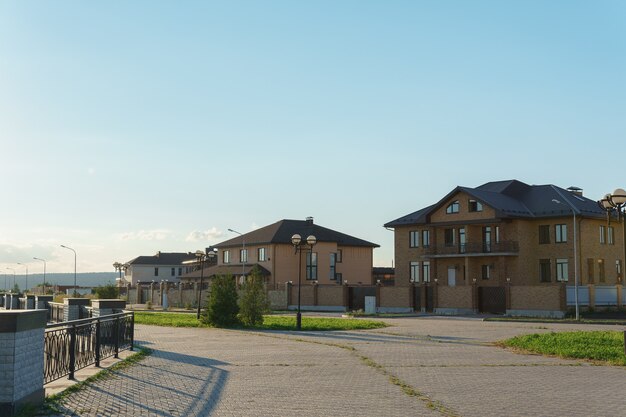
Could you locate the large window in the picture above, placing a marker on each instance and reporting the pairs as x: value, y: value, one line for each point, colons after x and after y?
x: 560, y: 232
x: 156, y: 272
x: 243, y: 255
x: 544, y: 234
x: 425, y: 238
x: 226, y: 256
x: 311, y: 265
x: 486, y: 271
x: 462, y: 240
x: 610, y: 235
x: 332, y: 271
x: 452, y: 208
x: 173, y: 272
x: 449, y: 237
x: 487, y: 238
x: 561, y: 270
x: 262, y: 255
x: 414, y: 239
x: 544, y: 270
x: 415, y: 272
x: 602, y: 235
x: 426, y: 271
x: 475, y: 206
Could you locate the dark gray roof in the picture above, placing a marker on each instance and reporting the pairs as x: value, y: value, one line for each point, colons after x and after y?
x: 164, y: 258
x: 281, y: 232
x: 515, y: 199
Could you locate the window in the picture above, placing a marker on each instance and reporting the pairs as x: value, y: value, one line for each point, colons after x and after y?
x: 497, y: 228
x: 262, y: 256
x: 180, y: 271
x: 449, y: 237
x: 452, y: 208
x: 331, y: 273
x: 415, y: 272
x: 173, y: 272
x: 487, y: 239
x: 561, y: 270
x: 339, y: 255
x: 426, y: 271
x: 226, y: 256
x: 486, y: 271
x: 425, y: 238
x: 590, y: 267
x: 601, y: 274
x: 544, y: 270
x: 560, y: 231
x: 243, y: 255
x: 414, y: 239
x: 339, y: 277
x: 610, y: 235
x: 462, y: 240
x: 475, y: 206
x: 544, y: 234
x: 156, y: 272
x: 602, y: 235
x: 311, y: 265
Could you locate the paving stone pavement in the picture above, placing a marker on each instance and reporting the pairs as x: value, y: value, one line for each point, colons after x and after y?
x: 447, y: 367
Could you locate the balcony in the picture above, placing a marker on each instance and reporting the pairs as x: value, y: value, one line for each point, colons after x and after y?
x: 504, y: 248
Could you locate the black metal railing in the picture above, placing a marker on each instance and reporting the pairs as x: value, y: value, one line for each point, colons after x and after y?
x: 73, y: 345
x: 508, y: 246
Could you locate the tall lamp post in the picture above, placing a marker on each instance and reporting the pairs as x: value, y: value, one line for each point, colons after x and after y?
x: 66, y: 247
x: 202, y: 257
x: 26, y: 284
x: 575, y: 256
x: 296, y: 241
x: 43, y: 289
x: 11, y: 269
x: 243, y: 243
x: 616, y: 202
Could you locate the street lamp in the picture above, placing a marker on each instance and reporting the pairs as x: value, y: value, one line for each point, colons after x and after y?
x: 202, y: 257
x: 243, y: 261
x: 11, y: 269
x: 554, y: 200
x: 26, y: 266
x: 296, y: 241
x: 616, y: 202
x: 43, y: 289
x: 66, y: 247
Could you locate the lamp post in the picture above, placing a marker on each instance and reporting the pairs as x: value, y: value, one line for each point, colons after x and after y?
x: 243, y: 243
x: 11, y: 269
x: 554, y: 200
x: 296, y: 241
x: 66, y: 247
x: 26, y: 284
x: 202, y: 257
x: 43, y: 289
x: 616, y: 202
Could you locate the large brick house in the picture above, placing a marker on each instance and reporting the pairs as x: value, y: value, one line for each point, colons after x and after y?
x: 513, y: 245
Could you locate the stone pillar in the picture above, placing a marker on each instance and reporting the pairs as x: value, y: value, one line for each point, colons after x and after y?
x: 14, y: 303
x: 42, y: 302
x: 619, y: 295
x: 507, y: 294
x: 563, y: 296
x: 346, y: 296
x: 436, y: 295
x: 72, y: 308
x: 2, y: 300
x: 475, y: 296
x: 107, y: 307
x: 315, y: 293
x: 30, y: 302
x: 423, y: 290
x: 21, y: 359
x: 411, y: 289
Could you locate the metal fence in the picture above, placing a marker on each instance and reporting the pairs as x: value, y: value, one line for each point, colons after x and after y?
x: 73, y: 345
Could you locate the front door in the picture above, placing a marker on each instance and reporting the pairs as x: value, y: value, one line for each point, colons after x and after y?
x: 451, y: 276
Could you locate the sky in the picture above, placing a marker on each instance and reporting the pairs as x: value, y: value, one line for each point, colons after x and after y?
x: 128, y: 128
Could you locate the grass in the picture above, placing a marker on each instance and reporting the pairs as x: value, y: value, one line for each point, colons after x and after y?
x: 606, y: 347
x: 565, y: 320
x: 270, y: 322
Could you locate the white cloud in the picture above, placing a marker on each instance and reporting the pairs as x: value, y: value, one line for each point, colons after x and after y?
x: 201, y: 236
x: 158, y: 234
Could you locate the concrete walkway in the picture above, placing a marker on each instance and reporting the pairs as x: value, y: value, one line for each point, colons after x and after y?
x: 418, y: 367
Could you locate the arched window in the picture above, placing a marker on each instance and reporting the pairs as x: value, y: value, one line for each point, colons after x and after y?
x: 452, y: 208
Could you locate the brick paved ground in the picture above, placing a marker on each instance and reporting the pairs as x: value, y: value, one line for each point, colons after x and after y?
x: 445, y: 366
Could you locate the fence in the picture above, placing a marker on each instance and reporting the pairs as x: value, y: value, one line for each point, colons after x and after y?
x: 73, y: 345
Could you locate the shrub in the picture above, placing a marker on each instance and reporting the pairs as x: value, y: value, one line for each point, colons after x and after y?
x: 108, y: 291
x: 253, y: 302
x: 149, y: 305
x: 222, y: 305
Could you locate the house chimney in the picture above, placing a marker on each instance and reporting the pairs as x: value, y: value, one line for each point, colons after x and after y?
x: 576, y: 191
x: 309, y: 220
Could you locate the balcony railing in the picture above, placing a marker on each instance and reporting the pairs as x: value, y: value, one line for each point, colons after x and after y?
x: 473, y: 248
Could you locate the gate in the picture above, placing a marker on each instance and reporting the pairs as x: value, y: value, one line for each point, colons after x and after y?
x: 492, y: 300
x: 417, y: 293
x: 357, y: 297
x: 417, y: 299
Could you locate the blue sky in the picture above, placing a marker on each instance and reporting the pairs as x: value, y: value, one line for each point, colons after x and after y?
x: 132, y: 127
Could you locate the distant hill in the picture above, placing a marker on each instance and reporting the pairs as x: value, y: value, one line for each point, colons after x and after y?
x: 85, y: 279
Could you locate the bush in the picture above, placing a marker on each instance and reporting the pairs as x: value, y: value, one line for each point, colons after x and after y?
x: 253, y: 302
x: 107, y: 292
x: 149, y: 305
x: 222, y: 305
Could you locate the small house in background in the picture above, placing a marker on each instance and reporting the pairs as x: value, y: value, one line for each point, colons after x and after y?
x: 168, y: 266
x: 384, y: 275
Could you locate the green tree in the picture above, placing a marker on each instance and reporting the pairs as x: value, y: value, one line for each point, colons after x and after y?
x: 16, y: 289
x: 108, y: 291
x: 253, y: 302
x: 222, y: 308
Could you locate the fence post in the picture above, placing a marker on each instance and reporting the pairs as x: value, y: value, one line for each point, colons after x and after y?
x: 132, y: 331
x: 72, y: 351
x: 116, y: 335
x: 98, y: 342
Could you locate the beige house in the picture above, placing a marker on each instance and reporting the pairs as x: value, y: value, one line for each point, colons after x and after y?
x: 335, y: 259
x: 511, y: 246
x: 163, y: 266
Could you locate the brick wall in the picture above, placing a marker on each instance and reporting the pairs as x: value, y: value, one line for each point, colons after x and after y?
x: 395, y: 297
x: 535, y: 297
x: 454, y: 297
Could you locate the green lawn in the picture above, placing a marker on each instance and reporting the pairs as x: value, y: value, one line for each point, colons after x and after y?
x: 269, y: 323
x: 602, y: 346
